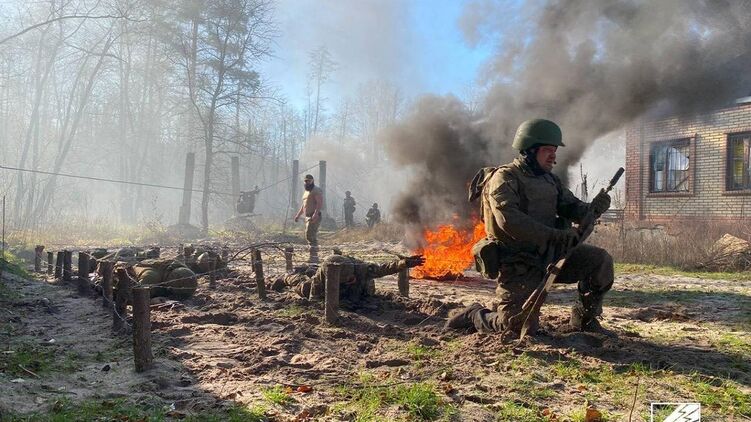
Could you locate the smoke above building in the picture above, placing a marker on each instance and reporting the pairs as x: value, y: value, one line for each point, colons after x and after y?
x: 592, y: 66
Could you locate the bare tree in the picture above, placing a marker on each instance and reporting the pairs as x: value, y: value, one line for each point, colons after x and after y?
x: 219, y: 47
x: 322, y: 65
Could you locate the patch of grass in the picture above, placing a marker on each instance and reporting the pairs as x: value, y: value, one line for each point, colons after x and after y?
x: 419, y: 400
x: 89, y: 410
x: 513, y: 412
x: 236, y: 413
x: 726, y: 397
x: 13, y: 265
x: 421, y: 352
x: 276, y: 395
x: 623, y: 268
x: 291, y: 311
x: 734, y: 344
x: 32, y: 357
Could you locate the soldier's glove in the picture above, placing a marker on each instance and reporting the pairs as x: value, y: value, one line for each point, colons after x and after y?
x: 565, y: 238
x: 414, y: 261
x: 600, y: 203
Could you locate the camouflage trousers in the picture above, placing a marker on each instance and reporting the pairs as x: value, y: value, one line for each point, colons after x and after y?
x: 313, y: 288
x: 311, y: 235
x: 589, y: 266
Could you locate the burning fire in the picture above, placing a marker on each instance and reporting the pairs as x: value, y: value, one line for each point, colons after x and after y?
x: 448, y: 252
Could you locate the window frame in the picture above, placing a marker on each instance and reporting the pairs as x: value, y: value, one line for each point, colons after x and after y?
x: 728, y: 189
x: 690, y: 143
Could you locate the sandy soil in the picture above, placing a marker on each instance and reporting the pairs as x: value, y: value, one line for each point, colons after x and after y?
x: 226, y: 344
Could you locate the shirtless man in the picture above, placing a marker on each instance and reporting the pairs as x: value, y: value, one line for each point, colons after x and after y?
x: 312, y: 202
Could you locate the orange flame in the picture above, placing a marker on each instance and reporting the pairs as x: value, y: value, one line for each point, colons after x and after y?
x: 448, y: 252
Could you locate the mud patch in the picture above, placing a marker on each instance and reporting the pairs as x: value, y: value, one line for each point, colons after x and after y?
x: 673, y: 313
x: 219, y: 318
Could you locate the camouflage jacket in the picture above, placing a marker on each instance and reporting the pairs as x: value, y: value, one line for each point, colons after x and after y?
x: 521, y: 209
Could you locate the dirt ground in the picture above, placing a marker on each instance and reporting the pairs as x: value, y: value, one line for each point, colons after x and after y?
x: 679, y: 339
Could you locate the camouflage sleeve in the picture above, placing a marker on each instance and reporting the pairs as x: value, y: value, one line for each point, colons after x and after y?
x: 571, y: 207
x: 504, y: 199
x: 382, y: 270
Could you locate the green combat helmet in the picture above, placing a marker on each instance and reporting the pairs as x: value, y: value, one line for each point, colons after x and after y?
x: 537, y: 132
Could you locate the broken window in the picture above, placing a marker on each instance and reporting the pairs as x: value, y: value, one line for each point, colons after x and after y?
x: 669, y: 166
x: 739, y: 165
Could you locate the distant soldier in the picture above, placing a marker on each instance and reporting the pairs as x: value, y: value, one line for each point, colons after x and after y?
x: 373, y: 216
x: 312, y: 203
x: 246, y: 203
x: 356, y: 279
x: 349, y: 209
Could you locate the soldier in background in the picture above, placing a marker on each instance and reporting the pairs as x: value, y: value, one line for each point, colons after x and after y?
x: 312, y: 204
x: 169, y: 278
x: 356, y: 279
x: 373, y: 216
x: 349, y: 209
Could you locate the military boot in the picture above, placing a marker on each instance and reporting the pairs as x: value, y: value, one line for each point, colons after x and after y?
x: 461, y: 318
x: 585, y: 312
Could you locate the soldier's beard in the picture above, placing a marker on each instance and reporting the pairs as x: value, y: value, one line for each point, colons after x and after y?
x: 309, y: 187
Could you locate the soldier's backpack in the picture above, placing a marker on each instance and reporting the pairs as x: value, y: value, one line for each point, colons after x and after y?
x: 487, y: 252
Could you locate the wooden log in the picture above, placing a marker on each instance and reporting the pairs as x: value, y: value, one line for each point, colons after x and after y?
x: 403, y: 282
x: 50, y: 262
x: 288, y: 252
x: 38, y: 251
x: 59, y: 265
x: 331, y: 307
x: 142, y: 356
x: 67, y: 265
x: 83, y: 274
x: 107, y: 274
x: 121, y: 301
x: 258, y: 269
x: 212, y: 273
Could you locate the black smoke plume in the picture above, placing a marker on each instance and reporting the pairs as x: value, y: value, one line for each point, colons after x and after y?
x: 592, y: 66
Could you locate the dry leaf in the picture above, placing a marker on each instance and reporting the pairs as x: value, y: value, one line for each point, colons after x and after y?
x: 592, y: 415
x: 581, y: 387
x: 288, y: 390
x: 304, y: 389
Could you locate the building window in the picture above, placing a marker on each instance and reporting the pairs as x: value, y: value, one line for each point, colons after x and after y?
x: 739, y: 165
x: 669, y: 166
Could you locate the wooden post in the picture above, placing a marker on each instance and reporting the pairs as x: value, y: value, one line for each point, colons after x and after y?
x: 50, y: 262
x: 288, y: 251
x: 293, y: 188
x: 190, y: 164
x: 258, y: 268
x: 107, y: 269
x: 67, y: 265
x: 179, y: 249
x: 59, y: 265
x: 322, y: 185
x: 225, y: 254
x: 212, y: 273
x: 83, y: 274
x: 38, y: 251
x: 235, y: 180
x: 142, y: 355
x: 158, y: 251
x: 121, y: 300
x: 403, y: 282
x: 331, y: 309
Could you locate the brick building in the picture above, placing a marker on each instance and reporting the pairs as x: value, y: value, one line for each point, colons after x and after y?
x: 690, y: 168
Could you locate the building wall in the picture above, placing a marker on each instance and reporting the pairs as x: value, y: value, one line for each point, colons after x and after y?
x: 707, y: 198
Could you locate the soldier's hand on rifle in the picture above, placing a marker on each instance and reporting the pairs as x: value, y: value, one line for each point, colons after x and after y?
x: 600, y: 203
x: 414, y: 261
x: 566, y: 238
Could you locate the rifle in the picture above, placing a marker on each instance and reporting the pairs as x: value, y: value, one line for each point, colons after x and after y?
x: 537, y: 298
